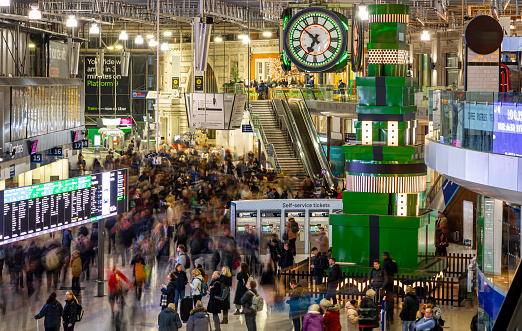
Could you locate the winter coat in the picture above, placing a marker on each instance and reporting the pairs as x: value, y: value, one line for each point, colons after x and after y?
x: 69, y: 312
x: 313, y: 321
x: 182, y: 259
x: 198, y: 320
x: 247, y: 301
x: 368, y: 313
x: 225, y: 281
x: 181, y: 280
x: 287, y: 259
x: 332, y: 319
x: 410, y: 307
x: 333, y: 274
x: 318, y: 265
x: 379, y: 278
x: 168, y: 320
x: 298, y: 302
x: 214, y: 305
x: 288, y: 228
x: 241, y: 288
x: 76, y: 267
x: 196, y: 286
x: 352, y: 317
x: 53, y: 314
x: 170, y: 291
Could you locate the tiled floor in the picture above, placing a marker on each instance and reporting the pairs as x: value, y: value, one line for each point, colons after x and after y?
x: 143, y: 315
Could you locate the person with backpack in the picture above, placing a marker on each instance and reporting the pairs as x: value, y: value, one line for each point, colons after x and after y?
x: 52, y: 310
x: 292, y: 229
x: 69, y: 311
x: 368, y: 312
x: 427, y: 323
x: 140, y: 276
x: 169, y: 290
x: 249, y: 307
x: 334, y: 277
x: 410, y: 306
x: 319, y: 265
x: 215, y: 299
x: 181, y: 283
x: 196, y: 285
x: 183, y: 258
x: 241, y: 287
x: 226, y: 285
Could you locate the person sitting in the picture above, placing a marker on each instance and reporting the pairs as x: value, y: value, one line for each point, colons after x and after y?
x: 427, y: 323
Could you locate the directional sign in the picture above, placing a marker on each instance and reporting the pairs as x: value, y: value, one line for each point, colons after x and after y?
x: 139, y: 94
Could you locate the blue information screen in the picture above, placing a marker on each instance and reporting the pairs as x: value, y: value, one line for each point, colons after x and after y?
x: 507, y: 129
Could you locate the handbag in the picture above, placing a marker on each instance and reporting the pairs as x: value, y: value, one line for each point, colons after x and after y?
x: 235, y: 263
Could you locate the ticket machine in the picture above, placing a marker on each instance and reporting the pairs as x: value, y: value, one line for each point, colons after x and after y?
x: 270, y: 224
x: 318, y: 219
x: 245, y: 220
x: 300, y: 219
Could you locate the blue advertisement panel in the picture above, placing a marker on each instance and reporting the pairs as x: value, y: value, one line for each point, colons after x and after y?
x: 448, y: 190
x: 507, y: 130
x: 336, y: 159
x: 490, y: 296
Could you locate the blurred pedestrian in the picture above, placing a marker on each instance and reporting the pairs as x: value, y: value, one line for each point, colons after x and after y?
x: 52, y: 310
x: 313, y: 321
x: 226, y: 285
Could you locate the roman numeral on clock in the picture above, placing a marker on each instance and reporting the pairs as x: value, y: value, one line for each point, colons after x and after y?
x: 297, y: 49
x: 304, y: 57
x: 315, y: 59
x: 334, y: 39
x: 331, y: 30
x: 316, y: 20
x: 294, y: 39
x: 331, y: 49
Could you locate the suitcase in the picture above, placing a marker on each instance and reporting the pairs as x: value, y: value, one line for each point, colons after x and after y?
x: 187, y: 304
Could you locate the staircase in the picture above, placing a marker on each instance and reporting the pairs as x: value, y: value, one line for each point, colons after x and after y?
x: 264, y: 119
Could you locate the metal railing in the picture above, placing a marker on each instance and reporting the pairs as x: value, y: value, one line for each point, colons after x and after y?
x: 269, y: 150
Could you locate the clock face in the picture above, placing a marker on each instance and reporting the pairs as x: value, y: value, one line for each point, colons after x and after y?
x: 315, y: 39
x: 357, y: 41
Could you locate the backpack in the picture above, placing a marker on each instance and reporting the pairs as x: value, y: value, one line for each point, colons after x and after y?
x: 285, y: 236
x: 437, y: 328
x: 79, y: 312
x: 204, y: 288
x: 225, y: 291
x: 295, y: 227
x: 139, y: 273
x: 258, y: 302
x: 393, y: 266
x: 187, y: 261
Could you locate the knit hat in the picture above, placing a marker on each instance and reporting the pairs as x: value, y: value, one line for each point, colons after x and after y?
x: 314, y: 308
x: 326, y: 303
x: 199, y: 261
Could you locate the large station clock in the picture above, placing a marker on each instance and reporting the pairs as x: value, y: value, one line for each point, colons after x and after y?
x: 315, y: 40
x: 357, y: 46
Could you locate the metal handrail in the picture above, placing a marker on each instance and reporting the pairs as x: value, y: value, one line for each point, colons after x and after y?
x: 260, y: 132
x: 437, y: 185
x: 285, y: 126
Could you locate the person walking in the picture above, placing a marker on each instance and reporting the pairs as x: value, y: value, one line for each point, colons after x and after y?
x: 352, y: 316
x: 408, y: 313
x: 247, y: 301
x: 169, y: 290
x: 197, y: 285
x: 313, y: 321
x: 69, y: 311
x: 214, y: 301
x: 76, y: 270
x: 52, y: 310
x: 181, y: 283
x: 226, y: 285
x: 334, y: 274
x: 168, y: 319
x: 199, y: 319
x: 391, y: 268
x: 241, y: 287
x: 296, y: 303
x: 332, y: 316
x: 368, y: 311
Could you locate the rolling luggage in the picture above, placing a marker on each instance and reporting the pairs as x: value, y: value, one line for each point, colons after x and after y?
x: 187, y: 304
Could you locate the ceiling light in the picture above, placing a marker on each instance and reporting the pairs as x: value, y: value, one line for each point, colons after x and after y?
x: 267, y: 34
x: 31, y: 45
x: 246, y: 40
x: 71, y: 22
x: 425, y: 35
x: 119, y: 46
x: 95, y: 29
x: 153, y: 43
x: 34, y: 13
x: 164, y: 46
x: 167, y: 33
x: 512, y: 27
x: 5, y: 3
x: 150, y: 36
x: 138, y: 40
x: 123, y: 35
x: 363, y: 13
x: 218, y: 39
x: 110, y: 47
x: 242, y: 36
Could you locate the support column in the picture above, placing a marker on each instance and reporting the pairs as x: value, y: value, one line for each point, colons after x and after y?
x: 101, y: 255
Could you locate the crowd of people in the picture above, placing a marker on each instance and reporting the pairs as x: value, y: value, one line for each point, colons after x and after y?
x: 177, y: 235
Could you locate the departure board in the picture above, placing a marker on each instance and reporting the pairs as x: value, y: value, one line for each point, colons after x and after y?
x: 38, y: 209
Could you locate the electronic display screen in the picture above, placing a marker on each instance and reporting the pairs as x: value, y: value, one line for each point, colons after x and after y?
x: 507, y: 128
x: 31, y: 211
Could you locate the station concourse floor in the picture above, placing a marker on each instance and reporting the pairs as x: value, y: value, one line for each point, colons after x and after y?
x: 143, y: 315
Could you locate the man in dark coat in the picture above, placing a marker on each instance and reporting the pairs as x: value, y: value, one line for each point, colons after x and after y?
x: 318, y: 269
x: 334, y: 274
x: 168, y: 319
x: 214, y: 304
x: 378, y: 277
x: 287, y: 257
x: 409, y: 310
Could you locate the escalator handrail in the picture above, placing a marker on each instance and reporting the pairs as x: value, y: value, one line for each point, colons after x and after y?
x: 434, y: 189
x: 317, y: 144
x: 297, y: 139
x: 285, y: 125
x: 256, y: 124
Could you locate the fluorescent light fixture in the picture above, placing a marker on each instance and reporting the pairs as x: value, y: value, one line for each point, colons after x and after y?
x: 110, y: 48
x: 164, y: 46
x: 167, y: 34
x: 34, y: 13
x: 425, y: 35
x: 118, y: 46
x: 123, y: 35
x: 71, y: 22
x: 138, y: 40
x: 150, y: 36
x: 246, y: 40
x: 363, y: 13
x: 242, y: 36
x: 95, y: 29
x: 512, y: 27
x: 5, y: 3
x: 153, y: 43
x: 218, y: 39
x: 31, y: 45
x: 267, y: 34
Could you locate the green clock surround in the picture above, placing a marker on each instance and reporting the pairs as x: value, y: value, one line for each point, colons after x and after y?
x: 315, y: 40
